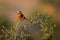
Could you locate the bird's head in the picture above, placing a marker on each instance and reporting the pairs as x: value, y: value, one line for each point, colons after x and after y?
x: 19, y: 12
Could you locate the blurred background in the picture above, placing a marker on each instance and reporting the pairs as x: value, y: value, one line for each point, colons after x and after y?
x: 51, y: 8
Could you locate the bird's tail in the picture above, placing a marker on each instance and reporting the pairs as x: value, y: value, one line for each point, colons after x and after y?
x: 25, y: 18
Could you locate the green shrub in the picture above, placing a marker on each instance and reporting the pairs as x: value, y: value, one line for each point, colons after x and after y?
x: 39, y: 26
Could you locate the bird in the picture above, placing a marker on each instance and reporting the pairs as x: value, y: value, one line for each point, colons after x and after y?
x: 20, y: 15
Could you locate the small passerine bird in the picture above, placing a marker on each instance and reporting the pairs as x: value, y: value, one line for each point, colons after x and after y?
x: 20, y: 15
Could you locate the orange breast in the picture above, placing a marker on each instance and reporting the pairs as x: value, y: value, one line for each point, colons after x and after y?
x: 19, y: 16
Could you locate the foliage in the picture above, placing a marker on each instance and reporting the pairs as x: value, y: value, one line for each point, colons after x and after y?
x: 4, y: 23
x: 27, y: 29
x: 47, y: 26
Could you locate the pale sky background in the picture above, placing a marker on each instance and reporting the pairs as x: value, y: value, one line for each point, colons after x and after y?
x: 27, y: 6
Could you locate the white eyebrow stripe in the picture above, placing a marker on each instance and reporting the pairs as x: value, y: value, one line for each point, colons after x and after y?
x: 18, y: 12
